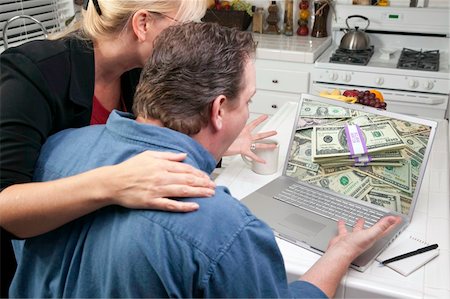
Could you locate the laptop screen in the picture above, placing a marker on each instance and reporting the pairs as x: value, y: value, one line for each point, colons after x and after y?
x: 363, y: 153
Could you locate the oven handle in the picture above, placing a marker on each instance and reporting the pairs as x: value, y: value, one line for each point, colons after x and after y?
x: 428, y: 101
x: 390, y: 96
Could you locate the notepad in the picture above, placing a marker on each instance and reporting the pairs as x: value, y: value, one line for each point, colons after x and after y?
x: 408, y: 265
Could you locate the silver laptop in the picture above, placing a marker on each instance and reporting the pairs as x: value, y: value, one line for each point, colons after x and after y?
x: 345, y: 161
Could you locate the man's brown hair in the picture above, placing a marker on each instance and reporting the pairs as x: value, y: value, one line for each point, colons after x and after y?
x: 190, y: 66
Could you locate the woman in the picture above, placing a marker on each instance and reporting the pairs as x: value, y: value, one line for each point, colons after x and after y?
x: 51, y: 85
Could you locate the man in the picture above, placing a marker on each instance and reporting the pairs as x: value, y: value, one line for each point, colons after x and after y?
x: 193, y: 97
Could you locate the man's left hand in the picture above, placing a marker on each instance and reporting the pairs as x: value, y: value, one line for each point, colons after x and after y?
x: 243, y: 143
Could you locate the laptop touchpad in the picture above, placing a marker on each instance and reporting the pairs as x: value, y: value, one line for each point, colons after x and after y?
x: 302, y: 224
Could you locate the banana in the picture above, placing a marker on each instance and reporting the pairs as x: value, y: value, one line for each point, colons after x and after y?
x: 336, y: 92
x: 339, y: 98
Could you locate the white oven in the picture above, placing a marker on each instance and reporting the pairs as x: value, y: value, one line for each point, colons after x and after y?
x: 421, y: 91
x: 400, y: 101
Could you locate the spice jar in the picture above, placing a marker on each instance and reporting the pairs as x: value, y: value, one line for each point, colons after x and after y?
x: 272, y: 19
x: 257, y: 23
x: 321, y: 9
x: 303, y: 15
x: 288, y: 18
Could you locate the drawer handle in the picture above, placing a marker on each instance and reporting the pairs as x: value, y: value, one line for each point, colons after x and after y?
x: 274, y: 106
x: 275, y: 81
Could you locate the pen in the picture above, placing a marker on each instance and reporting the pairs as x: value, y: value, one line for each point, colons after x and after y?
x: 408, y: 254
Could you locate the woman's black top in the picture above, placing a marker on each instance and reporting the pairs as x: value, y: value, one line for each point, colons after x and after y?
x: 45, y: 86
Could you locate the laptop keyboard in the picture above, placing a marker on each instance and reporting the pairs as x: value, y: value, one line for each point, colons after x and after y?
x: 328, y: 205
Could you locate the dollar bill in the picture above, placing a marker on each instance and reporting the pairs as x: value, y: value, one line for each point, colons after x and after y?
x: 304, y: 133
x: 306, y: 122
x: 331, y: 141
x: 360, y: 120
x: 330, y: 170
x: 378, y: 118
x: 301, y: 154
x: 376, y: 183
x: 356, y: 113
x: 405, y: 128
x: 405, y: 202
x: 405, y: 199
x: 299, y: 172
x: 415, y: 145
x: 416, y: 162
x: 348, y: 183
x: 423, y: 138
x: 357, y: 164
x: 389, y: 155
x: 319, y: 110
x: 398, y: 177
x: 384, y: 199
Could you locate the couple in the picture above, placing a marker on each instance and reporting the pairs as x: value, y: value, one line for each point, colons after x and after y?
x: 193, y: 97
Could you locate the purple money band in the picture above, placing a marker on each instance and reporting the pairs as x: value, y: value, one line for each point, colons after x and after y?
x: 355, y: 140
x: 363, y: 159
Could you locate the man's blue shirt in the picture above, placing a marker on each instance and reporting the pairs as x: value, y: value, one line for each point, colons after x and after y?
x: 221, y: 250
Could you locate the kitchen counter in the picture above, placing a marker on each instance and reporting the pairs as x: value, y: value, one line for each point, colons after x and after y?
x: 430, y: 223
x: 303, y: 49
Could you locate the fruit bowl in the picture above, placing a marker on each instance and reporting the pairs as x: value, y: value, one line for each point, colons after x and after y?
x: 371, y: 97
x: 228, y: 18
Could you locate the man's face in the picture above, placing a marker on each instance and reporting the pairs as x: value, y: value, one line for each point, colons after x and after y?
x: 238, y: 114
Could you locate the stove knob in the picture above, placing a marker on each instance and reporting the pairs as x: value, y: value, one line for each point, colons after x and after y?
x: 428, y: 85
x: 333, y: 76
x: 413, y: 83
x: 379, y: 81
x: 347, y: 77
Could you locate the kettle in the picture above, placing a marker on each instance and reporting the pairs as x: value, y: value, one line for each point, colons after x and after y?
x: 355, y: 39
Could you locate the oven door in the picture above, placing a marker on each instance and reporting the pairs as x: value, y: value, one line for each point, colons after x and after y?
x: 412, y: 103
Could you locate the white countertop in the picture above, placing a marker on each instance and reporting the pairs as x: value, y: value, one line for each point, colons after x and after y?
x: 430, y: 223
x: 304, y: 49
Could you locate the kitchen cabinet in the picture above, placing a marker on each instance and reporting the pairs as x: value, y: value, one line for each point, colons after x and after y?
x: 283, y: 69
x: 278, y: 83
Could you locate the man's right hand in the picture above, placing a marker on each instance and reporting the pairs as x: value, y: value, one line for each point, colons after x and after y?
x: 359, y: 240
x: 327, y: 272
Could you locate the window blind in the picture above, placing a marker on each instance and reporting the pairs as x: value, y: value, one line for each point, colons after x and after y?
x: 51, y: 13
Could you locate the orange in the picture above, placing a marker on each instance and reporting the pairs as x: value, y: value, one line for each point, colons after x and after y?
x: 378, y: 94
x: 304, y: 14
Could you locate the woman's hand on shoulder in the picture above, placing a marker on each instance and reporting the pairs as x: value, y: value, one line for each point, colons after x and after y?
x: 149, y: 179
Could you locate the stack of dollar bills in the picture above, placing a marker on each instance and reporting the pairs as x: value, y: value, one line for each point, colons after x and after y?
x: 348, y: 144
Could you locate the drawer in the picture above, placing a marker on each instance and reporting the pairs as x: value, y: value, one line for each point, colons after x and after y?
x: 282, y: 80
x: 269, y: 102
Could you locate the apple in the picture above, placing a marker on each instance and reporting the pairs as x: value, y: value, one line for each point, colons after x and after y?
x: 304, y: 5
x: 302, y: 31
x: 351, y: 93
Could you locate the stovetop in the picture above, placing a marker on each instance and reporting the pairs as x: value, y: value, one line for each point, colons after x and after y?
x: 380, y: 63
x: 409, y: 59
x: 419, y: 60
x: 358, y: 57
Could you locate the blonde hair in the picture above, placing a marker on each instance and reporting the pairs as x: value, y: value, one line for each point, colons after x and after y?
x: 117, y: 13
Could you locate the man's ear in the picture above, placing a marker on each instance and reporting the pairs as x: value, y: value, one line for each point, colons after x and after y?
x: 217, y: 112
x: 141, y: 24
